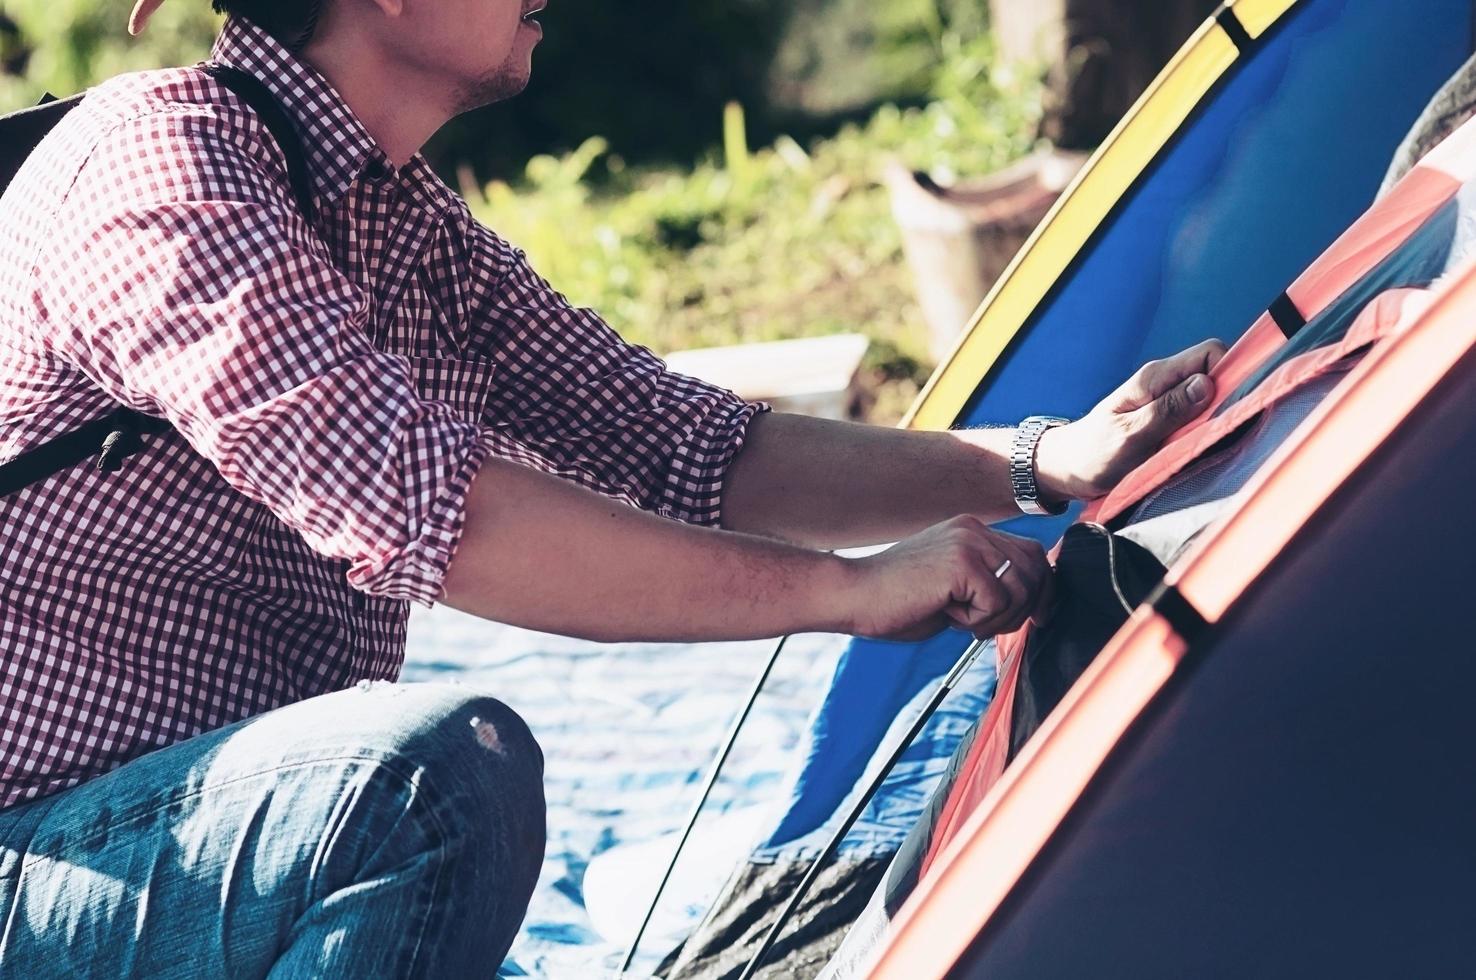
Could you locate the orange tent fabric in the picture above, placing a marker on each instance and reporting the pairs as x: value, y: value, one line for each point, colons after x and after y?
x: 995, y: 842
x: 1382, y: 230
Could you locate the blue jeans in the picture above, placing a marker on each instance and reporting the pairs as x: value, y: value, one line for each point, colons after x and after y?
x: 383, y: 831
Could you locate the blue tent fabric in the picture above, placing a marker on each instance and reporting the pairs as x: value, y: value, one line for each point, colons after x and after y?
x: 1283, y: 154
x: 1240, y: 203
x: 1244, y: 198
x: 878, y: 687
x: 1438, y: 248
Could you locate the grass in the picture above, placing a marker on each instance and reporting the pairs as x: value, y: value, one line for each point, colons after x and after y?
x: 772, y: 243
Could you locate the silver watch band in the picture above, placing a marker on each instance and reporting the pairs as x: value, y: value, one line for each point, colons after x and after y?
x: 1022, y: 465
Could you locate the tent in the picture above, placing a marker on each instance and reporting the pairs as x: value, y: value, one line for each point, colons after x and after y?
x: 1267, y: 775
x: 1357, y: 300
x: 1212, y: 194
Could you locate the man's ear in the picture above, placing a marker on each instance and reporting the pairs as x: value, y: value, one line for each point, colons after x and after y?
x: 390, y: 8
x: 142, y: 11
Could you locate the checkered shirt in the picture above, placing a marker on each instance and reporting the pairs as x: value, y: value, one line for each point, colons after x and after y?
x: 333, y: 388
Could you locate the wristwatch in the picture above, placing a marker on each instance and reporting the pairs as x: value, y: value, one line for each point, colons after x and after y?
x: 1022, y: 465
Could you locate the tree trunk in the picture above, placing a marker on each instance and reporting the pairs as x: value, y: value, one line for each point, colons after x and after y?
x: 1103, y: 54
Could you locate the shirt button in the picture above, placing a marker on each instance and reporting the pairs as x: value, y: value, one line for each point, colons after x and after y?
x: 375, y: 171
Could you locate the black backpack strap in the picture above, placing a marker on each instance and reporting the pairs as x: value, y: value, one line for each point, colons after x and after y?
x: 21, y: 131
x: 269, y: 111
x: 119, y: 434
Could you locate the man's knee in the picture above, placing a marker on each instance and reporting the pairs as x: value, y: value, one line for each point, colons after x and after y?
x: 466, y: 744
x: 483, y: 775
x: 497, y: 753
x: 473, y: 760
x: 478, y: 771
x: 498, y: 729
x: 470, y: 734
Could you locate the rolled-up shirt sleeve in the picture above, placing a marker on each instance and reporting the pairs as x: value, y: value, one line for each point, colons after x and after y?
x: 576, y: 400
x: 193, y: 290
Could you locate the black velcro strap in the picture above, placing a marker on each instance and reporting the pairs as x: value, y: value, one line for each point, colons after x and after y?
x: 1232, y: 26
x: 1286, y: 315
x: 111, y: 438
x: 20, y: 132
x: 259, y: 97
x: 1183, y: 618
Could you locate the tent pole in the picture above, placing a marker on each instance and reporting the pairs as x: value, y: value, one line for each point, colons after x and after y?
x: 712, y: 778
x: 959, y: 669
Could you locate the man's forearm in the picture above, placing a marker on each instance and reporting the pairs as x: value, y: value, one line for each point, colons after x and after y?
x: 539, y: 552
x: 832, y: 484
x: 841, y: 484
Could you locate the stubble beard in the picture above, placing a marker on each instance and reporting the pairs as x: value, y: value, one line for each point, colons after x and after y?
x: 498, y: 85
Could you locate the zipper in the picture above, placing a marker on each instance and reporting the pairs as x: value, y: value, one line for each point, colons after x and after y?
x: 1111, y: 561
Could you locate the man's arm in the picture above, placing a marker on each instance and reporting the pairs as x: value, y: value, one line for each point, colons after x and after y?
x: 584, y: 424
x: 540, y: 552
x: 832, y: 484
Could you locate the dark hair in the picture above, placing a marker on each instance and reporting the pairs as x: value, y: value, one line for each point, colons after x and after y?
x: 290, y: 21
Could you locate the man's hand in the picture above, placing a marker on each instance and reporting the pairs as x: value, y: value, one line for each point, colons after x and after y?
x: 946, y: 575
x: 1087, y: 458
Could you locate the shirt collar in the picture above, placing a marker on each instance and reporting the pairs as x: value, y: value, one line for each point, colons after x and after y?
x: 338, y: 147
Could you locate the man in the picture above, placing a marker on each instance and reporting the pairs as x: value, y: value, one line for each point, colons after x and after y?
x: 375, y: 403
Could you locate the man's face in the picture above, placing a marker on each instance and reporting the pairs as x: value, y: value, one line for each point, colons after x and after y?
x: 482, y: 50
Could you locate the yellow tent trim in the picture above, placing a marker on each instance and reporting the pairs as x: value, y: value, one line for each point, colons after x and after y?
x: 1090, y: 199
x: 1257, y: 16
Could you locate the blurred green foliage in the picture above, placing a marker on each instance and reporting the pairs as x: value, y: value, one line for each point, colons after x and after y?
x: 63, y: 46
x: 781, y: 242
x: 650, y: 76
x: 845, y: 55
